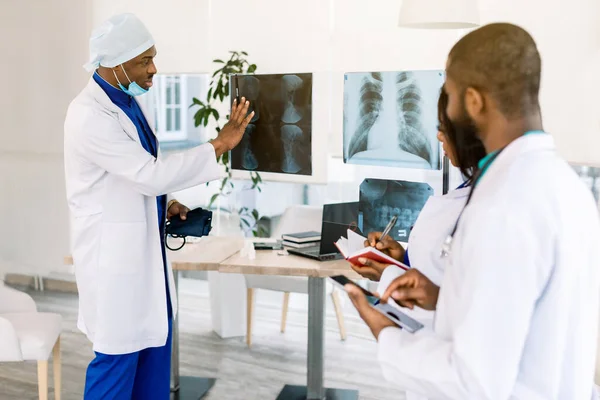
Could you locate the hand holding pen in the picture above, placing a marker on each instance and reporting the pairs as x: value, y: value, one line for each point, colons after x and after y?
x: 385, y: 243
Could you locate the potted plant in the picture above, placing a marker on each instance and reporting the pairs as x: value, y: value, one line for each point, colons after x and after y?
x: 217, y: 93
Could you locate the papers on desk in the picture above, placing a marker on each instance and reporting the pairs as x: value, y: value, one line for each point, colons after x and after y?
x: 353, y: 248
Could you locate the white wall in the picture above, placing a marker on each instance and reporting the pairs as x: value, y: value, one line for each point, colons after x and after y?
x: 330, y: 37
x: 43, y: 46
x: 568, y: 36
x: 180, y: 28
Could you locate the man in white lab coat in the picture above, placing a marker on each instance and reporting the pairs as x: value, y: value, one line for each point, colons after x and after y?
x: 117, y: 184
x: 517, y: 310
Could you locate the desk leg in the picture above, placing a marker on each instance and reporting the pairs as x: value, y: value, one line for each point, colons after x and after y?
x: 314, y: 389
x: 184, y: 387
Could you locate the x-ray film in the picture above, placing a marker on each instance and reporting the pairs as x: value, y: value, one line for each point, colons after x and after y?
x: 278, y: 139
x: 381, y: 199
x: 390, y: 118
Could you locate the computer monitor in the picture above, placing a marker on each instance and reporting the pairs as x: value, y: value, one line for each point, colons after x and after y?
x: 337, y: 219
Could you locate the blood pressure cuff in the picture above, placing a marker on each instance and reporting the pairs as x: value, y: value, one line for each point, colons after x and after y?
x: 198, y: 223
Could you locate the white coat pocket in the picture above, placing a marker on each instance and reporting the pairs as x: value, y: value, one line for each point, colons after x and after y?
x: 123, y: 249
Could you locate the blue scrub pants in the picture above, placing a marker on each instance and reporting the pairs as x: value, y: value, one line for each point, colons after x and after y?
x: 145, y: 374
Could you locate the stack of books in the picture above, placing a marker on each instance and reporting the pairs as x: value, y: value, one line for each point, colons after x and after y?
x: 301, y: 239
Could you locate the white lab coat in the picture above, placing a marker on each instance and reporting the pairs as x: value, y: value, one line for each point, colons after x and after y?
x: 517, y: 314
x: 112, y: 184
x: 434, y: 224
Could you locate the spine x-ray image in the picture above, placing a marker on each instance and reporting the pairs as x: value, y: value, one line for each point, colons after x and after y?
x: 390, y: 118
x: 278, y: 139
x: 381, y: 199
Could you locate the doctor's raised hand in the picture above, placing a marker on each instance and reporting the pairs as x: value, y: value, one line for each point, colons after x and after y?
x: 413, y: 289
x: 231, y: 134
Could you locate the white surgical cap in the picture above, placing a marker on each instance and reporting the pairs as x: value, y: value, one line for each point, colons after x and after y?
x: 118, y: 40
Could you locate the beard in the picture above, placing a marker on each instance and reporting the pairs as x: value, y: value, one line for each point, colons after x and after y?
x: 469, y: 148
x: 465, y: 130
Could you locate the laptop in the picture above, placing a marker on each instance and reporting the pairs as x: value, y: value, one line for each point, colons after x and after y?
x: 337, y: 219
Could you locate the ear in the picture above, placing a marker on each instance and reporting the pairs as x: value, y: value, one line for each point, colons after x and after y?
x: 474, y: 102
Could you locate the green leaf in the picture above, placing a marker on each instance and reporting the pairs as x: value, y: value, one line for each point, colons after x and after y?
x: 223, y: 183
x: 244, y: 53
x: 251, y: 68
x: 255, y: 214
x: 246, y: 222
x: 198, y: 117
x: 219, y: 61
x: 212, y: 199
x: 208, y: 96
x: 226, y: 157
x: 215, y: 113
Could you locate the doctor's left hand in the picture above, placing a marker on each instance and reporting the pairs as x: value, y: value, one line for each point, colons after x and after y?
x: 177, y: 209
x: 374, y: 319
x: 369, y: 269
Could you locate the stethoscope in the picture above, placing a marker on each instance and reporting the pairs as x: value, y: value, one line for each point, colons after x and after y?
x: 447, y: 245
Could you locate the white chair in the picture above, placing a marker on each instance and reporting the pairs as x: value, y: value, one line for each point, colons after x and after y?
x: 294, y: 219
x: 28, y: 335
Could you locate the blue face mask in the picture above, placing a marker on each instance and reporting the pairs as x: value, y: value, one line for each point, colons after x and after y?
x: 134, y: 89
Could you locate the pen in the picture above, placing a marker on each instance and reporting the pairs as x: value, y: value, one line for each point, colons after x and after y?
x: 389, y: 227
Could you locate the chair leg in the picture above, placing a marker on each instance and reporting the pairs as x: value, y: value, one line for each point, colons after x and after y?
x: 43, y: 379
x: 57, y: 369
x: 284, y: 310
x: 249, y: 315
x: 338, y: 313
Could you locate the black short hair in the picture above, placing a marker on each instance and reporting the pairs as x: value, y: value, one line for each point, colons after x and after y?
x: 468, y: 148
x: 503, y: 60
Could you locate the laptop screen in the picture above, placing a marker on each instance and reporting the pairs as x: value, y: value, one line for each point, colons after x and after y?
x: 337, y: 219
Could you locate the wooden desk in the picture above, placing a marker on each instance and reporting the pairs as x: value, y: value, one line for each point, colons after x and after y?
x: 272, y: 263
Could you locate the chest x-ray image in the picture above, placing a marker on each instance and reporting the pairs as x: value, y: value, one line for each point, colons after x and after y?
x: 278, y: 138
x: 381, y: 199
x: 390, y: 118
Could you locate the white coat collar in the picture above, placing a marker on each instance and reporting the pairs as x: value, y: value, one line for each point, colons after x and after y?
x: 101, y: 97
x: 524, y: 145
x: 105, y: 102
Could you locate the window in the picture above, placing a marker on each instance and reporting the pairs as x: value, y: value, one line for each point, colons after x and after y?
x: 170, y: 96
x: 168, y: 102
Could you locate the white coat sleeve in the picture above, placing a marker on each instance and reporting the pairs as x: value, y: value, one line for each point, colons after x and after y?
x: 501, y: 276
x: 390, y: 273
x: 107, y: 145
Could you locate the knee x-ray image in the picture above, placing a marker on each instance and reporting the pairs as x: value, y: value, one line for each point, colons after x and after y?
x: 381, y: 199
x: 278, y: 139
x: 390, y: 118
